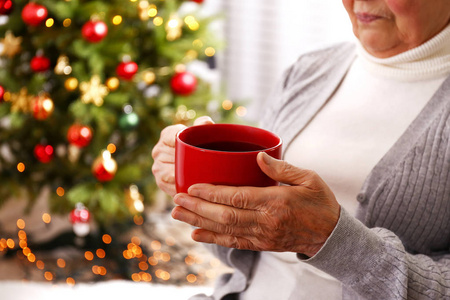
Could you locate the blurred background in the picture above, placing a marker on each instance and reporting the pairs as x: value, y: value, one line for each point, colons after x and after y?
x: 85, y: 89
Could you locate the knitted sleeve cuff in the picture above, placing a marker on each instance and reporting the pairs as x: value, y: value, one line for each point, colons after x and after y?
x: 350, y: 252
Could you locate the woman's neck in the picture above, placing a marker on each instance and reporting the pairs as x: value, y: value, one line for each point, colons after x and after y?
x: 428, y: 61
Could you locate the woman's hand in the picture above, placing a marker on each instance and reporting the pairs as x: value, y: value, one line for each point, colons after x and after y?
x: 164, y: 156
x: 297, y: 218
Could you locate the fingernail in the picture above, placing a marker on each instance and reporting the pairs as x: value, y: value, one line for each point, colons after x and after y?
x: 195, y: 235
x: 208, y: 120
x: 176, y: 214
x: 193, y: 190
x: 179, y: 199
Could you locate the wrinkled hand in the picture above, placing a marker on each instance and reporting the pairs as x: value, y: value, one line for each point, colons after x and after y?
x: 164, y: 156
x: 298, y: 217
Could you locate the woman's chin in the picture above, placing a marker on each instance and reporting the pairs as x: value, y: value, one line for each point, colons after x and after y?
x: 381, y: 47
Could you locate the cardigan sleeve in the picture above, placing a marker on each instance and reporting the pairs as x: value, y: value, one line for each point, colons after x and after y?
x: 374, y: 264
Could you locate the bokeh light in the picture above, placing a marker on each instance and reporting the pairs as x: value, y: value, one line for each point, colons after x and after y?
x: 20, y: 224
x: 21, y: 167
x: 88, y: 255
x: 46, y: 218
x: 106, y: 238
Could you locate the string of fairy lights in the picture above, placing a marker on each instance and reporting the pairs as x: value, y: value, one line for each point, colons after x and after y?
x: 152, y: 259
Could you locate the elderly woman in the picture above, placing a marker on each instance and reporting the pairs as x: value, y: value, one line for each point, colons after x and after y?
x: 373, y: 119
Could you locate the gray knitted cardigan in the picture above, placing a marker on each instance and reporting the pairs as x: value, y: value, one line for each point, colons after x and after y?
x: 398, y: 247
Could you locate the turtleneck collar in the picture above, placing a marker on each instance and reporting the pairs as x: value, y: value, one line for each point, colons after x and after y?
x: 430, y: 60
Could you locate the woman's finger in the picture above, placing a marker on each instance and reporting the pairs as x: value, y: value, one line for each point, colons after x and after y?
x: 203, y: 121
x: 252, y: 198
x: 165, y: 176
x: 284, y: 172
x: 225, y: 240
x: 181, y: 214
x: 166, y: 156
x: 221, y: 214
x: 168, y: 134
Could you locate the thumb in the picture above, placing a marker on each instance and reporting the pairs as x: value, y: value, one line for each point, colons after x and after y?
x: 281, y: 170
x: 203, y: 121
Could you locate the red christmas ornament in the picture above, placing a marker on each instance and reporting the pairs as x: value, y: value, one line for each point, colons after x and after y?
x: 198, y: 1
x: 79, y: 217
x: 42, y: 107
x: 40, y: 64
x: 127, y: 70
x: 94, y: 31
x: 79, y: 135
x: 2, y: 93
x: 183, y: 83
x: 44, y: 153
x: 104, y: 167
x: 34, y: 14
x: 6, y: 7
x: 80, y: 214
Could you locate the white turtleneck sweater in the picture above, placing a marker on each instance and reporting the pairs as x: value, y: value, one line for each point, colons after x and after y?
x: 374, y: 105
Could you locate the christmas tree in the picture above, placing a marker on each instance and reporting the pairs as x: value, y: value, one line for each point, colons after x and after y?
x: 85, y: 89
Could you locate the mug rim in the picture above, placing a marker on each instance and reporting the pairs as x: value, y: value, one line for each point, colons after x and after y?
x: 265, y: 149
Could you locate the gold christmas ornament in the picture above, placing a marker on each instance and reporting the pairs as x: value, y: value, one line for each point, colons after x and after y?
x: 173, y: 28
x: 62, y: 66
x: 112, y: 83
x: 21, y: 102
x: 71, y: 84
x: 93, y: 91
x: 134, y: 200
x: 11, y: 45
x: 148, y: 77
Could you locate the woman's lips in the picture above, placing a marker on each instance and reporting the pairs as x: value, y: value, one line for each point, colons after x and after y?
x: 367, y: 18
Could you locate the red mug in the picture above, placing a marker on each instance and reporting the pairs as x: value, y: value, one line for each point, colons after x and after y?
x: 223, y: 154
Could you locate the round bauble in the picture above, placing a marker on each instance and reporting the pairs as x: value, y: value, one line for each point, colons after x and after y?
x: 104, y: 167
x: 43, y: 153
x: 40, y: 64
x: 94, y: 31
x: 34, y: 14
x: 6, y: 7
x: 2, y: 93
x: 79, y: 135
x: 42, y: 107
x: 80, y: 214
x: 127, y: 70
x: 183, y: 83
x: 198, y: 1
x: 128, y: 121
x: 79, y: 217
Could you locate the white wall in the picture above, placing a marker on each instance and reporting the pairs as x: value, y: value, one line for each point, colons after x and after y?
x: 265, y: 36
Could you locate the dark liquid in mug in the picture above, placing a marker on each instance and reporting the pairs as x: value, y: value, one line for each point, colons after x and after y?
x: 231, y: 146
